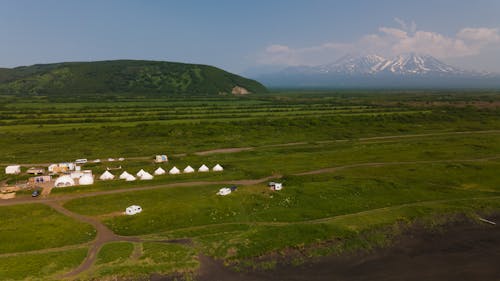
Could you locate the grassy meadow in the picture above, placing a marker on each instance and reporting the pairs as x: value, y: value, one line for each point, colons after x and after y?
x: 384, y: 160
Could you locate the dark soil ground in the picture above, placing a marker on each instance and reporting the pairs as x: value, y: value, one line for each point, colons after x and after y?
x: 460, y: 251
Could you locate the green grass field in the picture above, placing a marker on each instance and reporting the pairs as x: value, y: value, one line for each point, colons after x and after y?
x: 385, y: 161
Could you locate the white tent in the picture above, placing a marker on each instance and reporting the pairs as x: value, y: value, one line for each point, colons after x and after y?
x: 203, y: 168
x: 124, y: 175
x: 188, y: 169
x: 146, y: 176
x: 106, y: 176
x: 63, y: 181
x: 139, y: 174
x: 217, y: 168
x: 86, y: 179
x: 13, y: 170
x: 130, y: 178
x: 132, y: 210
x: 174, y: 171
x: 159, y: 171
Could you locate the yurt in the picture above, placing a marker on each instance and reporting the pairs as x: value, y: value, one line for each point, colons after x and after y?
x: 217, y: 168
x: 203, y: 168
x: 146, y: 176
x: 130, y: 178
x: 106, y: 176
x: 174, y: 171
x: 86, y: 179
x: 188, y: 169
x: 124, y: 175
x: 159, y: 171
x: 63, y: 181
x: 139, y: 174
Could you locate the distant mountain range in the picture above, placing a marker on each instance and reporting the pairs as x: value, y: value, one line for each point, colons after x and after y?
x: 124, y: 76
x: 374, y: 71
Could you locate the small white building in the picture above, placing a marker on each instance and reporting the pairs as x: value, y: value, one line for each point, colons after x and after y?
x: 130, y: 178
x: 13, y: 170
x: 133, y: 210
x: 217, y: 168
x: 203, y: 169
x: 174, y: 171
x: 188, y: 170
x: 139, y: 174
x: 161, y: 158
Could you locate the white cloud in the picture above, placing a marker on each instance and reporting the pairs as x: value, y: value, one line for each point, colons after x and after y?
x: 483, y: 35
x: 388, y: 41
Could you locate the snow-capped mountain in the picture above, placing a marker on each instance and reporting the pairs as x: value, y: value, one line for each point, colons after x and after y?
x: 374, y: 64
x: 406, y: 70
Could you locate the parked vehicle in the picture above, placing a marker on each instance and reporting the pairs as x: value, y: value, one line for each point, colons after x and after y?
x: 35, y: 193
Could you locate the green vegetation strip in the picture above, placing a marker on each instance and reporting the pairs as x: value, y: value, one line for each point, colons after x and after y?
x: 42, y: 266
x: 34, y: 226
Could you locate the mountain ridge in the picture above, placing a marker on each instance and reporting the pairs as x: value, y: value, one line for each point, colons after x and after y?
x: 404, y: 70
x: 122, y: 76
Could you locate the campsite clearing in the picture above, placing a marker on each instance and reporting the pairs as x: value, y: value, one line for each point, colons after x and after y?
x: 357, y: 168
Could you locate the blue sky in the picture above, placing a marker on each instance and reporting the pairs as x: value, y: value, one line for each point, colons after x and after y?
x: 237, y: 35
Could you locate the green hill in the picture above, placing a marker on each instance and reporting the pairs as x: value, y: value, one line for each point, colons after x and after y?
x: 124, y: 76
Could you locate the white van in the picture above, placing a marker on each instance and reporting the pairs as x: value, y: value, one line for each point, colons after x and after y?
x: 132, y: 210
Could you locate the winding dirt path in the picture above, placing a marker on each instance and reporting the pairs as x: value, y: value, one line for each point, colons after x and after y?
x: 103, y: 235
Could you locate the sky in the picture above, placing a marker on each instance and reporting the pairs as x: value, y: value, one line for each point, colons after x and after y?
x: 242, y: 36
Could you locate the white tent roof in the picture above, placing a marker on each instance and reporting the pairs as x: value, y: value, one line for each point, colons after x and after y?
x: 124, y: 175
x: 64, y: 181
x: 203, y: 168
x: 159, y: 171
x: 174, y: 171
x: 130, y: 178
x: 217, y: 168
x: 107, y: 176
x: 146, y: 176
x: 188, y: 169
x: 86, y: 179
x: 139, y: 174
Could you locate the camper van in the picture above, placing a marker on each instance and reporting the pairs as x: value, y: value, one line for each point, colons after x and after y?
x: 132, y: 210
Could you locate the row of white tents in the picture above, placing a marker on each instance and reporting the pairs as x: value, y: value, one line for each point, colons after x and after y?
x: 88, y: 179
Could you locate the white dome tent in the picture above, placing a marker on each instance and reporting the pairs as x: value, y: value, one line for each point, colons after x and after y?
x: 146, y: 176
x: 64, y: 181
x: 174, y: 171
x: 203, y: 169
x: 139, y: 174
x: 217, y: 168
x: 106, y: 176
x: 159, y: 171
x: 130, y: 178
x: 124, y: 175
x: 86, y: 179
x: 188, y: 170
